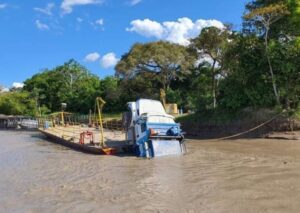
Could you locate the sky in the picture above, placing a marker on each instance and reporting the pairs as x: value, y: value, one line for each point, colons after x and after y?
x: 40, y: 34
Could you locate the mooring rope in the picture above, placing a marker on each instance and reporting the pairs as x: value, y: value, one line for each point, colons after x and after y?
x: 250, y: 130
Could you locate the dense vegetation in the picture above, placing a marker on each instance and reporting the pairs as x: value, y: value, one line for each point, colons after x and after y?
x: 16, y: 103
x: 257, y: 67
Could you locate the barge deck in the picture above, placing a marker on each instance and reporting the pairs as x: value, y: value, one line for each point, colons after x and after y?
x: 114, y: 141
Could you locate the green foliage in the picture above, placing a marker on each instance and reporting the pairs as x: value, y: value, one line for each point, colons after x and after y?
x: 281, y: 20
x: 163, y: 60
x: 213, y: 116
x: 17, y: 103
x: 111, y: 94
x: 297, y: 113
x: 211, y: 43
x: 195, y: 90
x: 273, y: 12
x: 110, y: 116
x: 173, y: 96
x: 287, y: 72
x: 246, y: 83
x: 142, y: 86
x: 288, y: 11
x: 70, y: 83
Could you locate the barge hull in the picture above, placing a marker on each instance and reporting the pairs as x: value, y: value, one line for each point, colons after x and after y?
x: 87, y: 148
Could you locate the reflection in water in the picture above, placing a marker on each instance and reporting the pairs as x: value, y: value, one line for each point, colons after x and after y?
x: 234, y: 176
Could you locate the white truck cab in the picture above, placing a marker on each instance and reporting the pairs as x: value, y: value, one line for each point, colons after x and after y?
x: 152, y: 130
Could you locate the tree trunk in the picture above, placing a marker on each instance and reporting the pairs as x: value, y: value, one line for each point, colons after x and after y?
x: 214, y: 85
x: 287, y: 100
x: 163, y: 97
x: 271, y: 68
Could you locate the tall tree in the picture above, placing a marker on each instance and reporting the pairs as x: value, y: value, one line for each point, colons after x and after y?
x: 287, y: 26
x: 266, y: 16
x: 246, y: 83
x: 162, y: 60
x: 210, y: 45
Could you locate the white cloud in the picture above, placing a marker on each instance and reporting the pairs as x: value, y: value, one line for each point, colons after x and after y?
x: 179, y: 31
x: 206, y: 58
x: 67, y: 5
x: 41, y: 26
x: 109, y: 60
x: 17, y: 85
x: 100, y: 22
x: 134, y: 2
x: 3, y: 89
x: 47, y: 10
x: 3, y: 6
x: 92, y: 57
x: 147, y: 28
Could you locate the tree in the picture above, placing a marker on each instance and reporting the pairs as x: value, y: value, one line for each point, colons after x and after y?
x: 246, y: 83
x: 69, y: 83
x: 286, y: 59
x: 17, y: 103
x: 210, y: 44
x: 111, y: 93
x: 161, y: 60
x: 287, y: 26
x: 193, y: 93
x: 267, y: 16
x: 142, y: 86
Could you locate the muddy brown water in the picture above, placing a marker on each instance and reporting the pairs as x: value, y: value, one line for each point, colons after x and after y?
x: 233, y: 176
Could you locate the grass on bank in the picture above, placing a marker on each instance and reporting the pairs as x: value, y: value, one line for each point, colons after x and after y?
x: 221, y: 116
x: 115, y: 115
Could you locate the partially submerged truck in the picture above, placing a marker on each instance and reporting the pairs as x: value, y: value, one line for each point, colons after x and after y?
x: 151, y: 131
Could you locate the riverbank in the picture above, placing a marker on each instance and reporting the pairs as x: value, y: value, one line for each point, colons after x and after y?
x: 218, y: 124
x: 256, y: 175
x: 295, y: 135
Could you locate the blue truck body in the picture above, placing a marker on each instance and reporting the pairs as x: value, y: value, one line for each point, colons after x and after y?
x: 168, y: 140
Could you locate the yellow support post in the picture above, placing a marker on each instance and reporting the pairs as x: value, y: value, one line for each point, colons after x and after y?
x: 163, y: 97
x: 100, y: 103
x: 62, y: 118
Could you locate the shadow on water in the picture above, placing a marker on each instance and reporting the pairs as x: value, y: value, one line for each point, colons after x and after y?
x: 38, y: 135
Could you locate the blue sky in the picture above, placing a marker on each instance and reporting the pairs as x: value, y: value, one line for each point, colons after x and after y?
x: 38, y: 34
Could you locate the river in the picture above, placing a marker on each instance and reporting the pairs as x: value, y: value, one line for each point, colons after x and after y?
x: 233, y: 176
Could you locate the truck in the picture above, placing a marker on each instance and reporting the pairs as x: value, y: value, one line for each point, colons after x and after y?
x: 152, y: 132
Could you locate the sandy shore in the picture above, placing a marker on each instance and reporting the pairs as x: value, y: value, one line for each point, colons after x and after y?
x: 284, y: 135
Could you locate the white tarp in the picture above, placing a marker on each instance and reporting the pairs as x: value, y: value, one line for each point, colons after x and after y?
x: 150, y: 107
